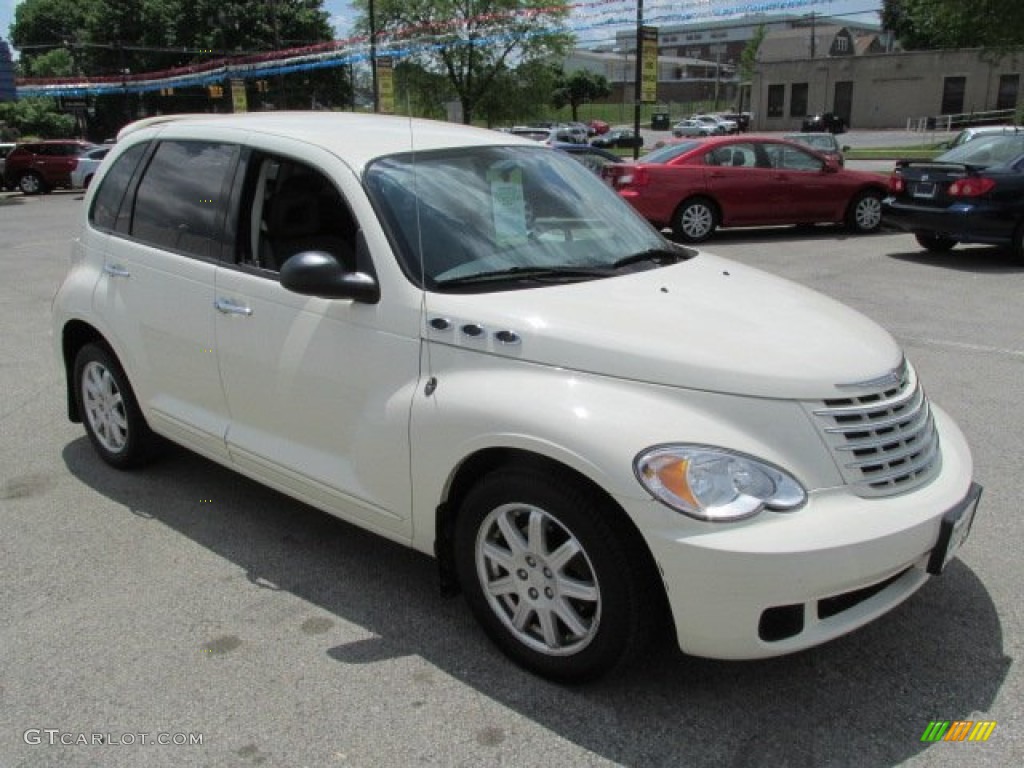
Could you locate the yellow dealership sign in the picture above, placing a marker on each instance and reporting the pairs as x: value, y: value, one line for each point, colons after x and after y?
x: 239, y: 102
x: 386, y: 86
x: 649, y: 65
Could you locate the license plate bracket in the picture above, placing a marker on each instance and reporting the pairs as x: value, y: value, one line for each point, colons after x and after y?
x: 954, y: 530
x: 925, y: 189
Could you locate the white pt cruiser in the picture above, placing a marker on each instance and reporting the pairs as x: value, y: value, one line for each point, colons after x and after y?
x: 467, y: 343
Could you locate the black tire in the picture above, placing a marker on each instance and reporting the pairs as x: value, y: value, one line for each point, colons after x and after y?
x: 616, y: 601
x: 1017, y: 246
x: 111, y: 415
x: 31, y: 183
x: 934, y: 243
x: 864, y: 215
x: 695, y: 220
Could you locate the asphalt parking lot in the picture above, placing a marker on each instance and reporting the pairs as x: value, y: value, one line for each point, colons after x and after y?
x: 190, y: 603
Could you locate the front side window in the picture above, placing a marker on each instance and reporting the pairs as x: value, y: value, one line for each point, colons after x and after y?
x: 180, y: 202
x: 791, y: 158
x: 289, y: 207
x: 458, y: 215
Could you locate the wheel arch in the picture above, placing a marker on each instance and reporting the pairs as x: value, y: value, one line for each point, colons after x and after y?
x: 484, y: 461
x: 75, y: 335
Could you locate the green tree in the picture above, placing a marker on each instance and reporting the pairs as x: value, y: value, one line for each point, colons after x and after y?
x: 581, y: 87
x: 112, y: 38
x: 471, y: 42
x: 931, y: 24
x: 36, y: 117
x: 748, y: 57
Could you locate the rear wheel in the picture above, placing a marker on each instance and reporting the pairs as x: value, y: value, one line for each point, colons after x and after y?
x: 934, y: 243
x: 695, y: 220
x: 109, y: 410
x: 31, y: 184
x: 865, y: 212
x: 551, y: 575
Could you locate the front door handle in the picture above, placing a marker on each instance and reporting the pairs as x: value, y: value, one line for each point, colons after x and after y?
x: 228, y: 307
x: 116, y: 271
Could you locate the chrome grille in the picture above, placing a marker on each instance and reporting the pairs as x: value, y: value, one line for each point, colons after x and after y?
x: 884, y: 441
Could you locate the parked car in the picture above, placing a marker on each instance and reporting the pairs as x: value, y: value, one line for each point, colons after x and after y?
x: 620, y: 138
x: 697, y: 185
x: 742, y: 120
x: 982, y: 130
x: 39, y: 166
x: 974, y: 193
x: 825, y: 143
x: 691, y: 128
x: 824, y: 122
x: 599, y: 127
x: 592, y: 157
x: 722, y: 125
x: 81, y: 177
x: 469, y: 344
x: 5, y: 149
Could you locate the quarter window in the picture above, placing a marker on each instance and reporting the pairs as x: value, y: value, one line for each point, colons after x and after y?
x: 107, y: 200
x: 180, y: 200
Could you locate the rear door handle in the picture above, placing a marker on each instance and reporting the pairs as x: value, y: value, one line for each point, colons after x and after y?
x: 229, y: 307
x: 115, y: 270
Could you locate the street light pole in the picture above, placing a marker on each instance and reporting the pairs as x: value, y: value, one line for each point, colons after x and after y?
x: 373, y: 57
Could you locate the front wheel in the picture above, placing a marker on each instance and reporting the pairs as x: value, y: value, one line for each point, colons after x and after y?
x: 934, y: 243
x: 695, y: 220
x: 551, y: 575
x: 113, y: 421
x: 865, y: 212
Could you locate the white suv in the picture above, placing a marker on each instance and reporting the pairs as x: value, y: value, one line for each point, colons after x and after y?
x: 467, y: 343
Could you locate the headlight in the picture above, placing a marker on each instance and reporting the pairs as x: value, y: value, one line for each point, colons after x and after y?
x: 714, y: 484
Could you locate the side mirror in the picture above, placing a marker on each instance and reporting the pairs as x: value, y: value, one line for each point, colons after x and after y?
x: 831, y: 165
x: 317, y: 273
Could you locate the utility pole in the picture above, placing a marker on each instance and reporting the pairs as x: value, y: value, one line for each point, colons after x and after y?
x: 373, y: 57
x: 638, y: 74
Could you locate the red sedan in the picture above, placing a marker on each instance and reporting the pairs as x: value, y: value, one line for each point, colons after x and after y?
x: 697, y: 185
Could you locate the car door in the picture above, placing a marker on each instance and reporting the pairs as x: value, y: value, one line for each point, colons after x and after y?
x: 319, y: 390
x: 739, y: 186
x: 805, y: 192
x: 156, y: 291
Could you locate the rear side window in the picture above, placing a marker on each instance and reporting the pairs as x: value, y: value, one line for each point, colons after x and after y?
x: 181, y: 199
x: 107, y: 200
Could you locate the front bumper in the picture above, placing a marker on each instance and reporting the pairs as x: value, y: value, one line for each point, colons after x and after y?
x: 782, y: 582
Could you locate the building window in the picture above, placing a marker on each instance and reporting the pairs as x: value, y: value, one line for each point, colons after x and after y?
x: 953, y: 95
x: 1008, y: 88
x: 776, y: 100
x: 798, y: 100
x: 842, y: 44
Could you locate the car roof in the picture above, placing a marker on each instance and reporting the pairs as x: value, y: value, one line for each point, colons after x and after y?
x: 355, y: 138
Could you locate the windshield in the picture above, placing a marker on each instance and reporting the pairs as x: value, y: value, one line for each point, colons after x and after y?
x: 987, y: 150
x: 512, y: 210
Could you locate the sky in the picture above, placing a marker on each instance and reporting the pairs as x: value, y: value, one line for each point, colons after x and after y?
x: 592, y: 16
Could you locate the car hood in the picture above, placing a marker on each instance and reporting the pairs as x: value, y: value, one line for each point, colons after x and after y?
x: 708, y: 324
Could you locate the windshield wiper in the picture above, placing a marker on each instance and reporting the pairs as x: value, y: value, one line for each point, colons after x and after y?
x: 540, y: 274
x: 659, y: 256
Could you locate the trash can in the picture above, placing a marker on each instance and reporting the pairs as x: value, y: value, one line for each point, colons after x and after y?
x: 660, y: 121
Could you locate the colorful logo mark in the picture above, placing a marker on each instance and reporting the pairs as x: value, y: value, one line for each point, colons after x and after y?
x: 958, y: 730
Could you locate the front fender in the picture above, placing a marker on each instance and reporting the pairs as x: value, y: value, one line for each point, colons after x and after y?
x: 592, y: 424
